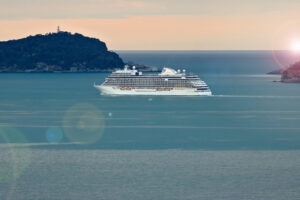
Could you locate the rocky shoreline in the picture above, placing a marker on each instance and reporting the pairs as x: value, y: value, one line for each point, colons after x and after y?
x: 57, y: 52
x: 61, y: 52
x: 276, y: 72
x: 289, y: 74
x: 50, y: 69
x: 44, y: 68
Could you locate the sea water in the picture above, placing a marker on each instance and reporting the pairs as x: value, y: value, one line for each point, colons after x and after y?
x: 60, y: 139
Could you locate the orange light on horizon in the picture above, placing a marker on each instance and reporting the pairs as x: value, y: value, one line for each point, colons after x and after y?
x: 295, y: 46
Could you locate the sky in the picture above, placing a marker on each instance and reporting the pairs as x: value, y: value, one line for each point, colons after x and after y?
x: 160, y: 24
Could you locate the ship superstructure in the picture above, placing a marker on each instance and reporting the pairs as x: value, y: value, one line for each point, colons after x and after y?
x: 168, y: 82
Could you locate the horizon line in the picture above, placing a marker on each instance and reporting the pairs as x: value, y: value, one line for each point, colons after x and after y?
x: 200, y: 50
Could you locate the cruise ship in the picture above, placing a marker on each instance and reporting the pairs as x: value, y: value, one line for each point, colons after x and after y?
x: 169, y: 82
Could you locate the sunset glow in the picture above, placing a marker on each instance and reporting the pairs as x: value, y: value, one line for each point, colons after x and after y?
x: 159, y: 25
x: 296, y: 46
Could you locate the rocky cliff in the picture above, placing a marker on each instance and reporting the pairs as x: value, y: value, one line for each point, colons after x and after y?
x: 291, y: 74
x: 62, y: 52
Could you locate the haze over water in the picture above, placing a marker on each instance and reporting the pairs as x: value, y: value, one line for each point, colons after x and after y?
x: 241, y: 143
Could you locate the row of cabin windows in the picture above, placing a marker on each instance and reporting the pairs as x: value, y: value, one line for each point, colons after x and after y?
x: 143, y: 82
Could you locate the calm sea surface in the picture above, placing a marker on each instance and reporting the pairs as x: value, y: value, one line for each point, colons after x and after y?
x: 59, y: 139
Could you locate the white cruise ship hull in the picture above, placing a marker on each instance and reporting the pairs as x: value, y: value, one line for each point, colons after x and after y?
x: 112, y: 90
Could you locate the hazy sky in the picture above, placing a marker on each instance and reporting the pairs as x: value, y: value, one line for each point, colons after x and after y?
x: 160, y: 24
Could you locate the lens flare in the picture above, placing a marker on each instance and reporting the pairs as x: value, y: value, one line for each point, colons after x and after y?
x: 286, y: 43
x: 296, y: 46
x: 54, y: 135
x: 20, y: 157
x: 83, y: 124
x: 14, y: 159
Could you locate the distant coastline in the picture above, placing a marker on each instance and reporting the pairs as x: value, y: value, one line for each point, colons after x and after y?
x: 289, y: 74
x: 60, y: 52
x: 140, y: 67
x: 276, y: 72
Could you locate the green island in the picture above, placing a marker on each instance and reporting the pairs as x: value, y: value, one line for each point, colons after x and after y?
x: 289, y: 74
x: 60, y: 52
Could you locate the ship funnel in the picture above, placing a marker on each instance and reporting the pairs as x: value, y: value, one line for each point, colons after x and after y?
x: 133, y: 67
